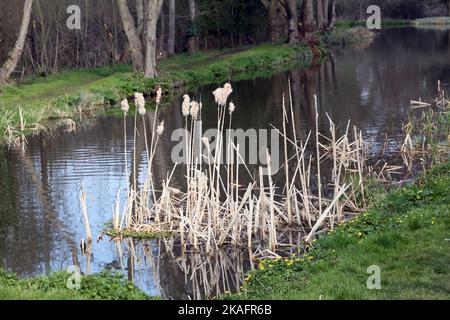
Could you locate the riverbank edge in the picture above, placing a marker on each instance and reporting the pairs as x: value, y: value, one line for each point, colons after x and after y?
x: 405, y: 233
x: 41, y: 116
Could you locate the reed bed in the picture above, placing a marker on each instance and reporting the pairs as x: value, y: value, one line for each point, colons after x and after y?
x: 216, y: 209
x: 427, y: 134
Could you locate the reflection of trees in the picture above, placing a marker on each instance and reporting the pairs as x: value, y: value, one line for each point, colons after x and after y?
x: 28, y: 188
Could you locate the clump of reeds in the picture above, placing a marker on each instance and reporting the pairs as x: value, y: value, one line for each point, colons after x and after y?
x: 216, y: 210
x: 427, y: 135
x: 361, y: 37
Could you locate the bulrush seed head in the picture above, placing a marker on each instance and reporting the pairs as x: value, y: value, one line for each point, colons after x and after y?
x: 160, y: 129
x: 139, y: 100
x: 158, y: 95
x: 185, y: 107
x: 142, y: 111
x: 221, y: 94
x: 232, y: 107
x: 195, y: 108
x: 125, y: 106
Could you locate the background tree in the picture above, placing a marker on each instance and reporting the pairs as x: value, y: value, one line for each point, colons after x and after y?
x: 307, y: 18
x: 292, y: 21
x: 131, y: 31
x: 172, y: 28
x: 11, y: 63
x: 143, y: 50
x: 332, y: 16
x: 152, y: 12
x: 276, y: 19
x: 112, y: 31
x: 193, y: 31
x: 320, y: 15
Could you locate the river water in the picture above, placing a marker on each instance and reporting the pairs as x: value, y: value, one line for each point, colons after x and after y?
x: 41, y: 223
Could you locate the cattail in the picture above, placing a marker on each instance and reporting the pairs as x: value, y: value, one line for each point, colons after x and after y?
x: 185, y: 107
x: 228, y: 88
x: 142, y: 111
x: 160, y: 129
x: 139, y: 100
x: 195, y: 108
x: 221, y: 94
x: 158, y: 95
x: 232, y: 107
x: 125, y: 106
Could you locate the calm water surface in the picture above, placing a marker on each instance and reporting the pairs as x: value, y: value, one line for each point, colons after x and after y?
x: 40, y: 216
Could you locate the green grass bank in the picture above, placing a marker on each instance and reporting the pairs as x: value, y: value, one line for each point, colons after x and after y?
x: 102, y: 286
x: 51, y: 100
x: 406, y: 234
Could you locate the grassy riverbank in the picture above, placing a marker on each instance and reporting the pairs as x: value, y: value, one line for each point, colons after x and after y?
x: 406, y: 234
x: 67, y: 94
x: 103, y: 286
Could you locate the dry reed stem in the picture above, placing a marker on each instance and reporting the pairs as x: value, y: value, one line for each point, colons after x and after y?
x: 85, y: 216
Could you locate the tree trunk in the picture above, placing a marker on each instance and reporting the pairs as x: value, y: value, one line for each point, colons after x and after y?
x: 11, y: 63
x: 172, y: 25
x: 308, y: 18
x: 320, y: 17
x: 140, y: 16
x: 131, y: 31
x: 326, y: 14
x: 292, y: 18
x: 162, y: 35
x: 332, y: 20
x: 192, y: 38
x: 153, y: 10
x: 276, y: 17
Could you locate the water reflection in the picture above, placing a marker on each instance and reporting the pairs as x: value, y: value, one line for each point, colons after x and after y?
x: 40, y: 218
